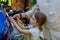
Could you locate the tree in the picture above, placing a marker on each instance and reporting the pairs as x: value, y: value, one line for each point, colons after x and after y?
x: 33, y: 2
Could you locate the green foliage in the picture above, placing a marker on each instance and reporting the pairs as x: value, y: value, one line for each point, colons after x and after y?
x: 33, y: 2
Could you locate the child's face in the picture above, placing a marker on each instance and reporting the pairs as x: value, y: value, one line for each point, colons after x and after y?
x: 33, y: 20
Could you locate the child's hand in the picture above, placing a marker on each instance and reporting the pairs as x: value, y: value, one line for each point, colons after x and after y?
x: 11, y: 19
x: 17, y: 15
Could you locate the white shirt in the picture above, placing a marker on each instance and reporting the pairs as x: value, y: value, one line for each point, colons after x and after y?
x: 34, y: 33
x: 51, y: 8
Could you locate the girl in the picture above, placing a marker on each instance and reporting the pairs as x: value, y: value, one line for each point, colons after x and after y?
x: 37, y: 20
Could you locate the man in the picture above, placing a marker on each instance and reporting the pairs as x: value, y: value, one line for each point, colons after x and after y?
x: 51, y: 8
x: 4, y: 25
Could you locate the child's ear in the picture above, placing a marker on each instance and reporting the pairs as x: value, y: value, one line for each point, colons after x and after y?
x: 37, y: 23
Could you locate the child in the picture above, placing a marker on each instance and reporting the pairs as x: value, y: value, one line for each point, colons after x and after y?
x: 37, y: 20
